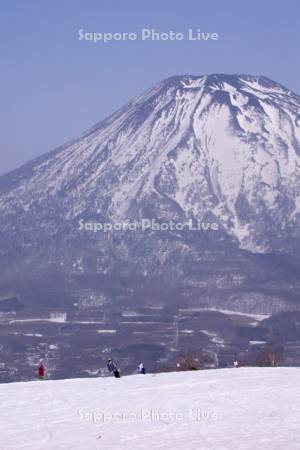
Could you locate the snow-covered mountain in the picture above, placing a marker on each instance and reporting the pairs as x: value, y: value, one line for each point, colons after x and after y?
x: 243, y: 408
x: 228, y: 146
x: 221, y: 149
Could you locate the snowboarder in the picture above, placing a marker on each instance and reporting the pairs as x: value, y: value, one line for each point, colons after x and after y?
x: 42, y: 371
x: 112, y: 367
x: 142, y: 369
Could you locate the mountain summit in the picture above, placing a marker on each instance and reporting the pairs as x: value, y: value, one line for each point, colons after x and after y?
x: 219, y: 147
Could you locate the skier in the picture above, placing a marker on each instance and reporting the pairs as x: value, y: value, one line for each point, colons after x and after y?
x: 235, y: 361
x: 42, y: 371
x: 142, y: 369
x: 112, y: 367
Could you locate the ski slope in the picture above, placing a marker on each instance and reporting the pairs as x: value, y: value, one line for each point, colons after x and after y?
x: 246, y: 408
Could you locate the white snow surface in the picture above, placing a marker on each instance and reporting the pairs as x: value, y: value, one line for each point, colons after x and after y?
x: 245, y: 408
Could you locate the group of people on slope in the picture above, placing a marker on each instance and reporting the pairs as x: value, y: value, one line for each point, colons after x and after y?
x: 113, y: 368
x: 111, y: 365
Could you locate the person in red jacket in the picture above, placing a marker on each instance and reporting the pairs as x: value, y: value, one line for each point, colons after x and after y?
x: 42, y: 371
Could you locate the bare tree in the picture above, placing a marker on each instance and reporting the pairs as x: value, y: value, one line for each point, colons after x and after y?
x: 269, y: 356
x: 199, y: 360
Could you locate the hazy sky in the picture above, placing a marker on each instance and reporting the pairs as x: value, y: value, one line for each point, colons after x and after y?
x: 54, y: 86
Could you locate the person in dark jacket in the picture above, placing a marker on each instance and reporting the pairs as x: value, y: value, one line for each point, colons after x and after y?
x: 141, y: 368
x: 112, y: 367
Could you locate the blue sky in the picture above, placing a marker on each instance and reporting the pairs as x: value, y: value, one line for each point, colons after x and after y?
x: 53, y: 86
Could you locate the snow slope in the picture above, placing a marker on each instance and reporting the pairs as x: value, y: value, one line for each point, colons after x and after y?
x: 249, y: 408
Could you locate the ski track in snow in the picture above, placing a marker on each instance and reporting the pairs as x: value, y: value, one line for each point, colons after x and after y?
x: 244, y: 409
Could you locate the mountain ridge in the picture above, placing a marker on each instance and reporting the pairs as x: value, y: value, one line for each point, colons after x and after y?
x: 163, y: 82
x: 143, y: 149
